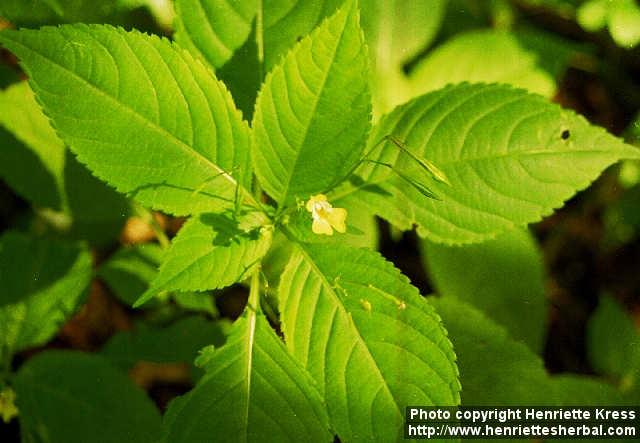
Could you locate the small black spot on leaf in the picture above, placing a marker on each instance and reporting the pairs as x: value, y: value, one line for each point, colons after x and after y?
x: 565, y: 134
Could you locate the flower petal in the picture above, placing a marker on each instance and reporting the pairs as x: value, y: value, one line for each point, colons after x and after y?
x: 336, y: 218
x: 315, y: 199
x: 321, y: 226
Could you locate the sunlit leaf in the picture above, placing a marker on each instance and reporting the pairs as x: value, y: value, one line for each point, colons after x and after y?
x: 214, y: 29
x: 142, y: 114
x: 315, y: 101
x: 211, y: 251
x: 252, y: 390
x: 510, y: 157
x: 373, y: 345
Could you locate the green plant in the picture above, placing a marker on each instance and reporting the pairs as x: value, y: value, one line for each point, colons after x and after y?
x: 282, y: 198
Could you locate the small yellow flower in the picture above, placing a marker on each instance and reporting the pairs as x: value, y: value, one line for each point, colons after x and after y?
x: 326, y: 218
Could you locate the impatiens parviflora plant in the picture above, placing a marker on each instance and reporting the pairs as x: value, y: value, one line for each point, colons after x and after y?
x: 462, y: 164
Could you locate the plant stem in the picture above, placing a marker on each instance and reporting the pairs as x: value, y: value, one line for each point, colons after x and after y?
x: 254, y: 290
x: 159, y: 232
x: 148, y: 216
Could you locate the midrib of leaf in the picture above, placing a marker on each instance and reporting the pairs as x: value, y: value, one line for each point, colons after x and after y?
x: 186, y: 148
x: 313, y: 108
x: 202, y: 411
x: 515, y: 155
x: 252, y: 305
x: 340, y: 306
x: 157, y: 128
x: 523, y: 154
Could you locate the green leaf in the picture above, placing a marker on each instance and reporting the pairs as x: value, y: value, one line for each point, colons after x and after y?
x: 97, y: 211
x: 213, y: 29
x: 366, y: 336
x: 70, y: 397
x: 243, y: 75
x: 211, y: 251
x: 362, y: 232
x: 162, y: 128
x: 510, y: 157
x: 622, y: 17
x: 554, y: 53
x: 315, y: 101
x: 197, y: 302
x: 624, y: 22
x: 613, y: 343
x: 130, y: 270
x: 44, y: 172
x: 461, y: 16
x: 35, y: 13
x: 498, y: 371
x: 31, y: 266
x: 177, y: 343
x: 503, y: 278
x: 481, y: 56
x: 253, y: 390
x: 245, y: 52
x: 42, y: 281
x: 592, y: 15
x: 494, y: 368
x: 34, y: 169
x: 573, y: 389
x: 395, y: 33
x: 284, y: 22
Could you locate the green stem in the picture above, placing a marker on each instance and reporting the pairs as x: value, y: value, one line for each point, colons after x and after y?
x: 159, y: 232
x: 254, y: 290
x: 147, y: 216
